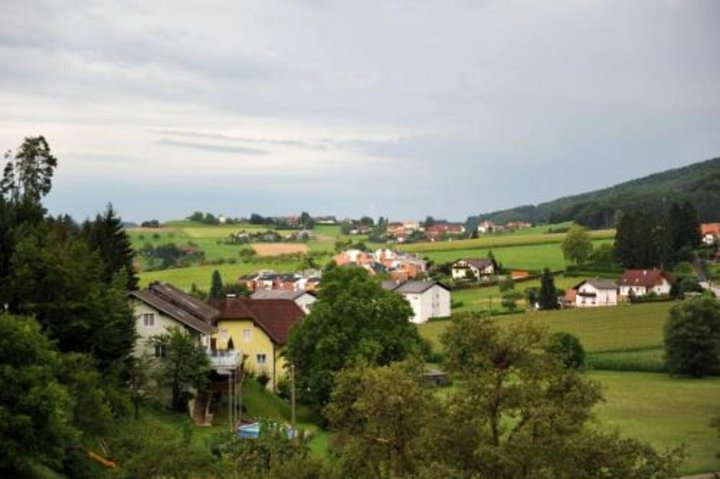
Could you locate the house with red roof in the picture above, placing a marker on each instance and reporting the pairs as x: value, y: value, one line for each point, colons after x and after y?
x: 260, y: 329
x: 639, y: 282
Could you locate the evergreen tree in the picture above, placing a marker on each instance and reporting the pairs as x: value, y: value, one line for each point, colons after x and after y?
x: 107, y: 236
x: 547, y: 298
x: 216, y: 286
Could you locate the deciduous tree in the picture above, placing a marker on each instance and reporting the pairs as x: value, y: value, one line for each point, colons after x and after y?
x: 353, y: 318
x: 692, y: 338
x: 183, y: 365
x: 577, y: 245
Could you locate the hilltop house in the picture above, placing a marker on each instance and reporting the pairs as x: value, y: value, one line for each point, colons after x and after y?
x: 259, y: 327
x: 477, y: 267
x: 428, y: 299
x: 595, y: 292
x: 639, y: 282
x: 302, y: 298
x: 162, y: 306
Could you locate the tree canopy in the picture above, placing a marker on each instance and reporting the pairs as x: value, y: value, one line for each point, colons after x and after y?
x: 352, y: 319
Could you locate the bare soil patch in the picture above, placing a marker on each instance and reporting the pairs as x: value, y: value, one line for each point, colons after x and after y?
x: 274, y: 249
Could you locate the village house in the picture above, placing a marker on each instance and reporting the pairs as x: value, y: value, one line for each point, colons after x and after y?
x: 639, y: 282
x: 475, y: 268
x: 162, y: 306
x: 710, y: 233
x: 302, y: 298
x: 595, y: 292
x: 428, y: 299
x: 440, y: 230
x: 517, y: 225
x: 258, y: 327
x: 354, y: 257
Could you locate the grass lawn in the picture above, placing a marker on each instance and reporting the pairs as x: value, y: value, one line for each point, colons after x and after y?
x: 665, y: 412
x: 621, y: 328
x: 477, y: 299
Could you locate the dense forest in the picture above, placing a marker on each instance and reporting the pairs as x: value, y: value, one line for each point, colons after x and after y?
x: 698, y: 183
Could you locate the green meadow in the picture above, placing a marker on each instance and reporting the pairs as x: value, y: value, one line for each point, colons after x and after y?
x: 664, y: 411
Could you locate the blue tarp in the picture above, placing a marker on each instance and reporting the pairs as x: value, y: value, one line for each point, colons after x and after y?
x: 252, y: 431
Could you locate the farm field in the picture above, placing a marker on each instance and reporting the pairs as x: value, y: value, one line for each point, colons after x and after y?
x: 665, y: 412
x: 275, y: 249
x: 620, y: 328
x: 500, y: 240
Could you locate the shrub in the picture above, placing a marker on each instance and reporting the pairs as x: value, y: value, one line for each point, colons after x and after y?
x: 567, y: 348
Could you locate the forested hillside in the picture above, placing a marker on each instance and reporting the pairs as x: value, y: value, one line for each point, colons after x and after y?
x: 698, y: 183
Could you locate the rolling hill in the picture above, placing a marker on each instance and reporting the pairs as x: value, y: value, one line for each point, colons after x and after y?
x: 698, y: 183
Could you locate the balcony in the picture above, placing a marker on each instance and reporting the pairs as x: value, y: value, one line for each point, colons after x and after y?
x: 225, y: 360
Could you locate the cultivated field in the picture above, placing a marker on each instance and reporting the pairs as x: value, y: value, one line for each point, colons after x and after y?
x: 184, y: 278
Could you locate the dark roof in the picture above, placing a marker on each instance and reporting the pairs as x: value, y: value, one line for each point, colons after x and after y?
x: 274, y: 316
x: 183, y: 300
x: 598, y: 283
x: 173, y: 310
x: 644, y: 277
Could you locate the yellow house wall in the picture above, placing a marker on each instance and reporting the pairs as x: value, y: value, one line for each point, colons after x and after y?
x: 258, y: 343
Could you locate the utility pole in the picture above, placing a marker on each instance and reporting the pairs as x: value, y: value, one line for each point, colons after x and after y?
x: 230, y: 408
x: 292, y: 398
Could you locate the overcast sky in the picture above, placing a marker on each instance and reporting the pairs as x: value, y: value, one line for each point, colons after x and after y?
x: 399, y: 108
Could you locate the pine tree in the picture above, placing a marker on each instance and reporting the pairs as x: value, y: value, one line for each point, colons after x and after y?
x: 548, y: 295
x: 106, y: 236
x: 216, y: 287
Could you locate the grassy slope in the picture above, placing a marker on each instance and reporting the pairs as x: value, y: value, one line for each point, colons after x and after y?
x: 600, y: 329
x: 665, y: 412
x: 531, y: 257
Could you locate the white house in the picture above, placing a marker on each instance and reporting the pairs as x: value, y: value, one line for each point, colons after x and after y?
x: 479, y: 268
x: 639, y: 282
x: 428, y: 299
x: 485, y: 227
x: 595, y: 292
x: 302, y: 298
x: 162, y: 306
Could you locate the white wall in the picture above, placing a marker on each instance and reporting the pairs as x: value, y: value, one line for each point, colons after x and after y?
x: 304, y: 301
x: 161, y: 325
x: 603, y: 297
x: 433, y: 303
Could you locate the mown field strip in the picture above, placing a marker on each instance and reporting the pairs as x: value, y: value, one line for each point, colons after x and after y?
x: 495, y: 241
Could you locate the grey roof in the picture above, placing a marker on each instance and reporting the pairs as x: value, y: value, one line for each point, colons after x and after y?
x: 598, y: 283
x: 416, y: 287
x: 278, y: 294
x: 174, y: 311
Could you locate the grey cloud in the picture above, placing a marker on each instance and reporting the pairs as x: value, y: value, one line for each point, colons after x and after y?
x: 213, y: 148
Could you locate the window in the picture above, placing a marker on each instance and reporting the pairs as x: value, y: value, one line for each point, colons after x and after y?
x: 260, y: 359
x: 159, y: 351
x: 148, y: 319
x: 247, y: 334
